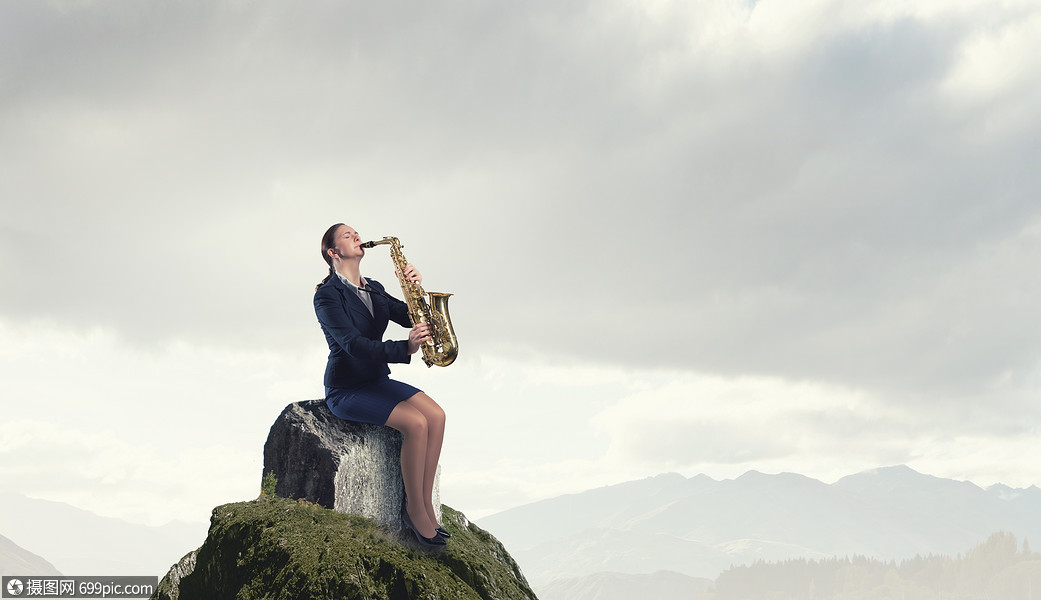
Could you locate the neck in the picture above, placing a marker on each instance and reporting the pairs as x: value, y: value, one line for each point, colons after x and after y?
x: 351, y: 270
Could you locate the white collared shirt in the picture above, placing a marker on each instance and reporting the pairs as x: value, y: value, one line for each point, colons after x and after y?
x: 365, y: 297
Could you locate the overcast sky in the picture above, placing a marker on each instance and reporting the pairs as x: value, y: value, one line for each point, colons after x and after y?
x: 702, y: 237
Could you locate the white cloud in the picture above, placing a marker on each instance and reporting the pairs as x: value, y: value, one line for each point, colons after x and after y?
x: 119, y: 429
x: 999, y: 60
x: 110, y: 474
x: 690, y: 420
x: 724, y: 426
x: 125, y: 430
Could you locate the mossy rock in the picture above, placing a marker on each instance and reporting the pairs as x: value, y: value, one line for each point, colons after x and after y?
x: 280, y: 549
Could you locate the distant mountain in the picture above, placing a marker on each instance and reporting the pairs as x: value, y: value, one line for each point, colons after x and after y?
x: 940, y: 516
x: 15, y: 560
x: 616, y: 586
x: 700, y: 526
x: 78, y: 542
x: 1030, y: 496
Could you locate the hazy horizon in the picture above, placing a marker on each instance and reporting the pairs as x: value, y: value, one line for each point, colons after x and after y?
x: 664, y: 523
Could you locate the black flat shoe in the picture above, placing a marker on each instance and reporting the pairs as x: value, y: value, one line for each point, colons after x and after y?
x: 431, y: 542
x: 441, y: 532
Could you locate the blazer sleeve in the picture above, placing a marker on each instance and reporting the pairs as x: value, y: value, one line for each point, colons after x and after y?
x: 329, y: 308
x: 398, y: 309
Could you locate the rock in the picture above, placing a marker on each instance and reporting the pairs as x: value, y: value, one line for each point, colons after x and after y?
x: 169, y: 587
x: 350, y: 467
x: 278, y: 548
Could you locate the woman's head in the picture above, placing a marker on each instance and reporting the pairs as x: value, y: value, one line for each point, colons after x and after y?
x: 340, y: 242
x: 329, y: 243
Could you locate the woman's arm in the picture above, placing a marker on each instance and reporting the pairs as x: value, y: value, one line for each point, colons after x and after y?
x: 328, y: 306
x: 398, y: 309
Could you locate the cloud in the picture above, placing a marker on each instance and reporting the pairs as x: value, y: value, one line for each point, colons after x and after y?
x: 112, y: 476
x: 725, y: 426
x: 113, y: 428
x: 99, y: 422
x: 993, y: 81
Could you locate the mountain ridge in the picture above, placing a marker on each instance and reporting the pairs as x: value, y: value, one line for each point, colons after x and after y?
x: 78, y: 541
x: 15, y: 560
x: 890, y: 513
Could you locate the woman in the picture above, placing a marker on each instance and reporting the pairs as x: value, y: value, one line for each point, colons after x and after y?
x: 354, y: 312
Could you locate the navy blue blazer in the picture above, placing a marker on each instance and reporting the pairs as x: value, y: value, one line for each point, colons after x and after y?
x: 357, y: 352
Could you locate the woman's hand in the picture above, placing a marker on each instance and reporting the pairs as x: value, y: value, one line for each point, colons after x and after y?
x: 412, y: 274
x: 417, y: 336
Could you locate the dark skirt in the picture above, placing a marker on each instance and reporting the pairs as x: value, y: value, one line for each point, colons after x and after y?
x: 370, y: 402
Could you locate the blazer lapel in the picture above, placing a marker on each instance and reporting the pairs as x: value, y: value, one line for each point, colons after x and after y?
x: 351, y: 300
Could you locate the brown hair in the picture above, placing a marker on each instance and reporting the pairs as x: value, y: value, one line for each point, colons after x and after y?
x: 328, y: 243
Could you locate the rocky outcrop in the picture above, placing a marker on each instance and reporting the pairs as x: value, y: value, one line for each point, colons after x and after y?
x: 171, y: 584
x: 283, y: 549
x: 350, y: 467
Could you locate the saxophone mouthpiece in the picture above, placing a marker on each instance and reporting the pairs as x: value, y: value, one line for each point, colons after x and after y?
x: 386, y: 240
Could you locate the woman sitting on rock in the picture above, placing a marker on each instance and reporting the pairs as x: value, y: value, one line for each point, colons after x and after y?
x: 354, y: 313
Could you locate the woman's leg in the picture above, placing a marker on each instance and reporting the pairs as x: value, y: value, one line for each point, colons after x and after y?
x: 407, y: 419
x: 435, y: 418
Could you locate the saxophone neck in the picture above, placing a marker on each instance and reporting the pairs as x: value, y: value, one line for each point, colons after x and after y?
x: 396, y: 256
x: 387, y: 240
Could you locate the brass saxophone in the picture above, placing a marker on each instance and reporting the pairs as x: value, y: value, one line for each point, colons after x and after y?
x: 442, y: 347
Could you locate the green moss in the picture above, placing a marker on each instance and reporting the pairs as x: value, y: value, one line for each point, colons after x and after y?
x: 280, y: 549
x: 268, y: 484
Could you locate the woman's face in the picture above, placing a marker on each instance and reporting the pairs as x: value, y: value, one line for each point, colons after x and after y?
x: 348, y: 243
